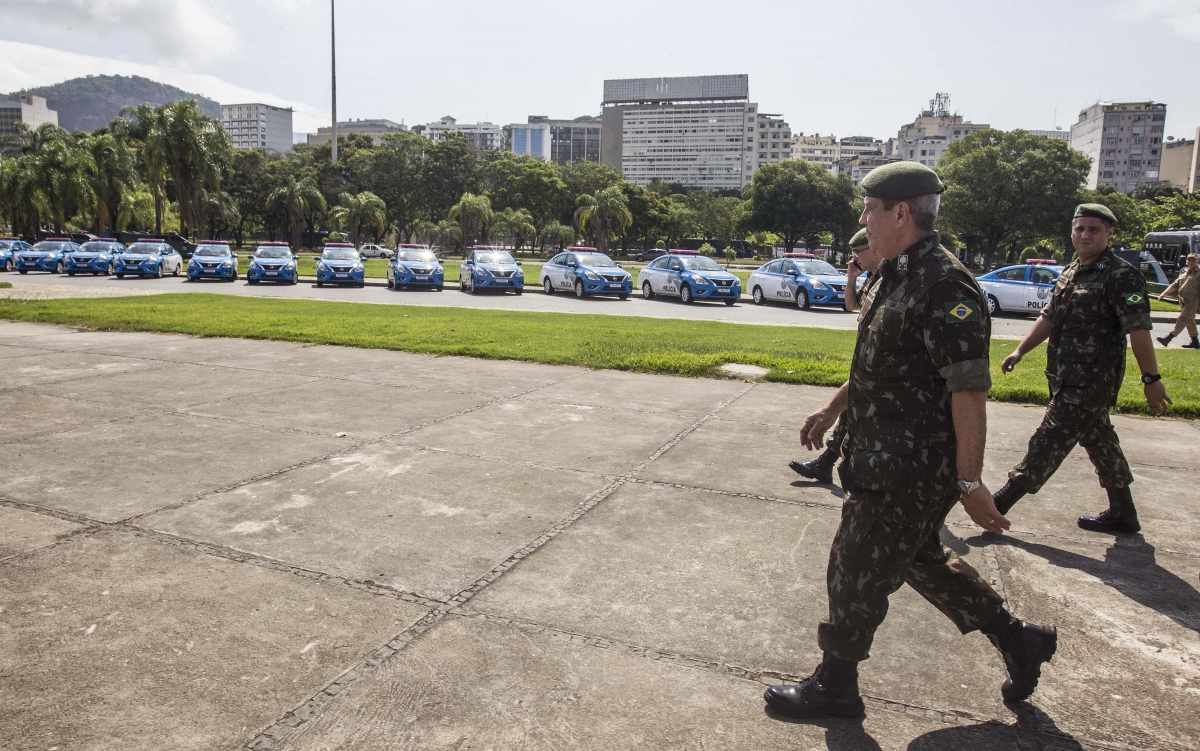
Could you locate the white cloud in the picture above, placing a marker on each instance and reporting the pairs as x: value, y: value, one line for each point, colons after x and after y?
x: 1182, y: 16
x: 24, y: 66
x: 175, y: 29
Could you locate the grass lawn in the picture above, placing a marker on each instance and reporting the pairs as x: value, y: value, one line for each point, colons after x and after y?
x: 686, y: 348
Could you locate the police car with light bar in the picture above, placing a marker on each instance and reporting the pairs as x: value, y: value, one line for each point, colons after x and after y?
x: 212, y: 259
x: 689, y: 276
x: 48, y: 255
x: 9, y: 248
x: 490, y: 267
x: 1026, y: 288
x: 272, y: 262
x: 585, y: 271
x: 415, y: 266
x: 340, y: 263
x: 799, y: 278
x: 94, y: 257
x: 148, y: 258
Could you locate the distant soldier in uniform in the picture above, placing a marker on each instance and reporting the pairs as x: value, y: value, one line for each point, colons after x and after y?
x: 1098, y: 301
x: 863, y: 259
x: 1187, y: 287
x: 915, y: 409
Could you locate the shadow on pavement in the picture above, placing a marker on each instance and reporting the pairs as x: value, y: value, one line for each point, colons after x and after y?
x: 842, y: 735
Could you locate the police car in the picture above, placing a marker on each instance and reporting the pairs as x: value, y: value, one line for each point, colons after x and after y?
x: 340, y: 264
x: 1020, y: 289
x: 9, y: 248
x: 415, y: 266
x: 689, y: 276
x: 798, y: 278
x: 490, y: 267
x: 586, y: 272
x: 48, y: 255
x: 95, y: 257
x: 212, y: 259
x: 272, y: 262
x: 148, y: 258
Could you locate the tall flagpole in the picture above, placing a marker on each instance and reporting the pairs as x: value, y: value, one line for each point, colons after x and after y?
x: 333, y: 76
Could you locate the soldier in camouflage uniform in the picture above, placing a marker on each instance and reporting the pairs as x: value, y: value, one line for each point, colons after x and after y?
x: 916, y: 425
x: 821, y: 468
x: 1187, y: 287
x: 1098, y: 300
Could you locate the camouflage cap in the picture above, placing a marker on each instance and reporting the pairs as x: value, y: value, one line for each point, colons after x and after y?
x: 1096, y: 211
x: 900, y: 180
x: 860, y: 238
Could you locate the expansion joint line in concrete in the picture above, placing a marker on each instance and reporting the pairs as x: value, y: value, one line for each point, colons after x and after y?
x: 308, y: 710
x: 498, y: 460
x: 736, y: 494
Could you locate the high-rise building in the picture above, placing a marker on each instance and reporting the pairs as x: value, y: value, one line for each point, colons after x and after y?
x: 816, y: 148
x: 376, y: 129
x: 1181, y: 163
x: 925, y: 139
x: 700, y: 131
x: 26, y: 108
x: 479, y: 135
x: 852, y: 146
x: 258, y: 126
x: 1124, y: 140
x: 561, y: 142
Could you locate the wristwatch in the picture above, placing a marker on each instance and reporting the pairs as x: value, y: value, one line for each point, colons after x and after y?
x: 1149, y: 378
x: 969, y: 486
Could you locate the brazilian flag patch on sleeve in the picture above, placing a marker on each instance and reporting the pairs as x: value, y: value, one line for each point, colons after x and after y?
x: 962, y: 311
x: 1134, y: 298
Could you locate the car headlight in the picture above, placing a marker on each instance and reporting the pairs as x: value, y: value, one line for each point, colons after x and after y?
x: 697, y: 279
x: 290, y: 265
x: 590, y: 275
x: 818, y: 285
x: 254, y: 266
x: 358, y: 267
x: 321, y: 266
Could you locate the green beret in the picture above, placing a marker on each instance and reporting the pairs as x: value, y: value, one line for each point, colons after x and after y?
x: 1096, y: 211
x: 900, y: 180
x: 860, y: 238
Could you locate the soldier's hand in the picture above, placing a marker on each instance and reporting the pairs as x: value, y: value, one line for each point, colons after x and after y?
x: 812, y: 433
x: 1156, y: 397
x: 1010, y: 362
x: 982, y: 509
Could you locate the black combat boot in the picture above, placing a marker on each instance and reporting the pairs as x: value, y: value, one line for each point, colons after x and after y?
x: 1025, y: 647
x: 1194, y: 344
x: 1007, y: 497
x: 1121, y: 515
x: 831, y: 691
x: 1166, y: 340
x: 819, y: 469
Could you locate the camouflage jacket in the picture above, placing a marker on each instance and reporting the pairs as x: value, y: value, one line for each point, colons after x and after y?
x: 925, y: 334
x: 866, y: 296
x: 1092, y: 311
x: 1186, y: 286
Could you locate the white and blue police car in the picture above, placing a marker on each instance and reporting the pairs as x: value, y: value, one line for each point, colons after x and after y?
x: 212, y: 259
x: 9, y: 248
x: 585, y: 271
x: 1022, y: 289
x: 800, y: 279
x: 272, y: 262
x: 340, y: 263
x: 148, y: 257
x: 48, y: 255
x: 490, y: 267
x: 689, y: 276
x: 94, y: 257
x: 415, y: 266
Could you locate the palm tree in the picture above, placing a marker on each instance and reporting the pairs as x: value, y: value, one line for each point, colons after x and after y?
x: 473, y: 214
x: 557, y: 234
x: 447, y: 233
x: 425, y: 230
x: 359, y: 214
x: 136, y: 211
x: 197, y: 151
x: 20, y: 195
x: 517, y: 223
x: 147, y: 131
x: 603, y: 215
x: 296, y: 198
x: 63, y: 171
x: 112, y: 176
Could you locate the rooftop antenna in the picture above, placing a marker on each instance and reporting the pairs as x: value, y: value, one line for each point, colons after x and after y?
x: 333, y: 75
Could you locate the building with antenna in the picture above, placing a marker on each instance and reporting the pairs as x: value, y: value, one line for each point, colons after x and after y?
x: 926, y: 138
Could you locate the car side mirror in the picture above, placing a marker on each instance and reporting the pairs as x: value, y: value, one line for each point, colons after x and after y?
x: 520, y: 263
x: 441, y: 260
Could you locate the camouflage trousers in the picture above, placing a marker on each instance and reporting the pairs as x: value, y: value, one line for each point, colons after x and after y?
x: 878, y: 548
x: 1067, y: 423
x: 1187, y: 318
x: 838, y: 435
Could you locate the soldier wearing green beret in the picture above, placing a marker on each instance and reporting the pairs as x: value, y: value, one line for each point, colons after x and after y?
x: 1098, y: 301
x: 916, y: 423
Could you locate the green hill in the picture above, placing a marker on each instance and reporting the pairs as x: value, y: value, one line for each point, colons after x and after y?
x: 89, y: 102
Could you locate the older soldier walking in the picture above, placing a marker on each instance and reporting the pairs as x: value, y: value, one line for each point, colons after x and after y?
x: 916, y: 425
x: 1098, y: 301
x: 1187, y: 287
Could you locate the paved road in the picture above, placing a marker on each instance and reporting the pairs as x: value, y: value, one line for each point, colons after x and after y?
x: 533, y: 300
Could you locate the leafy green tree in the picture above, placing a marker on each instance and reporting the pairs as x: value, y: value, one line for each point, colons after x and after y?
x: 1180, y: 210
x: 583, y: 178
x: 449, y: 171
x: 250, y: 182
x: 680, y: 221
x: 523, y: 182
x: 143, y: 125
x: 112, y: 174
x: 198, y: 154
x: 798, y: 200
x: 296, y: 198
x: 603, y: 215
x: 448, y: 233
x: 474, y: 216
x: 62, y: 172
x: 360, y: 214
x: 707, y: 250
x: 514, y: 223
x: 394, y: 171
x: 136, y: 211
x: 557, y: 235
x: 717, y: 217
x: 220, y: 213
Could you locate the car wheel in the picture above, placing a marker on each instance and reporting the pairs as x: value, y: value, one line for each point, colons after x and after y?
x: 623, y: 296
x: 759, y: 298
x: 730, y: 302
x: 320, y: 284
x: 158, y: 272
x: 8, y: 265
x: 70, y: 273
x: 391, y: 283
x: 251, y: 281
x: 472, y: 288
x: 178, y: 269
x: 547, y: 286
x: 993, y: 306
x: 580, y: 292
x: 362, y: 284
x: 647, y: 291
x: 685, y: 295
x: 119, y: 276
x: 802, y: 298
x: 109, y: 270
x: 295, y: 280
x: 58, y: 267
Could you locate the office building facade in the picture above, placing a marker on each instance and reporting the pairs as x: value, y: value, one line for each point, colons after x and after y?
x: 1181, y: 163
x: 258, y: 126
x: 28, y: 109
x: 480, y: 135
x: 560, y: 142
x: 376, y: 129
x: 1124, y: 140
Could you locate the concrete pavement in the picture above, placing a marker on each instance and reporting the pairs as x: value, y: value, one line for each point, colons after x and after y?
x: 211, y: 543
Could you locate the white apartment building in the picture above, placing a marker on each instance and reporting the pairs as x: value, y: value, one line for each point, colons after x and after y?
x: 1181, y: 163
x: 376, y: 129
x: 816, y: 148
x: 258, y: 126
x: 772, y: 144
x: 28, y: 109
x: 925, y: 139
x: 1058, y: 134
x: 1124, y: 140
x: 480, y: 135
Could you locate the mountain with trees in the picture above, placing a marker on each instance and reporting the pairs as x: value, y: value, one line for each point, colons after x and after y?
x: 95, y: 101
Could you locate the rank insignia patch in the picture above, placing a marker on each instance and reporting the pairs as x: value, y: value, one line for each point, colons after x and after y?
x: 961, y: 312
x: 902, y: 262
x: 1134, y: 298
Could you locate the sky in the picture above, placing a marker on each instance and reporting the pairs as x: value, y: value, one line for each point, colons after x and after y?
x: 862, y: 68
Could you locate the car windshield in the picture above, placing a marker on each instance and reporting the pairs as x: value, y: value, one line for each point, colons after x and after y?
x: 274, y: 253
x: 494, y: 256
x: 340, y: 254
x: 218, y: 251
x: 817, y: 268
x: 595, y: 259
x: 425, y: 256
x: 5, y: 244
x: 94, y: 248
x: 49, y: 246
x: 144, y: 248
x: 699, y: 263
